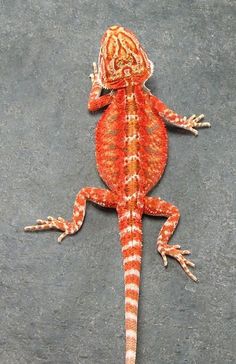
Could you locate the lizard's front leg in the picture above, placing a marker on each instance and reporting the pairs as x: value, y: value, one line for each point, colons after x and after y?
x: 157, y: 207
x: 173, y: 118
x: 100, y: 196
x: 96, y: 101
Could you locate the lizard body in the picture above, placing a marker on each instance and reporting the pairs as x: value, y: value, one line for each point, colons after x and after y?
x: 131, y: 154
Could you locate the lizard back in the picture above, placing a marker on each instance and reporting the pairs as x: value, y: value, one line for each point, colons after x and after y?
x: 130, y: 132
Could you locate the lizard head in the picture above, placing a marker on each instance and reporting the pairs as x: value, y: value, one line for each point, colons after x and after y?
x: 122, y: 60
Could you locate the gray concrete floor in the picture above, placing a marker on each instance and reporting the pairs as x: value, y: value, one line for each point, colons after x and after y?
x: 64, y: 304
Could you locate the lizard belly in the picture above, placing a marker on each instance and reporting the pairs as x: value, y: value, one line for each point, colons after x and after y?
x: 131, y: 148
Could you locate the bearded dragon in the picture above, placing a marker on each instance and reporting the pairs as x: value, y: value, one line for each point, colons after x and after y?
x: 131, y: 155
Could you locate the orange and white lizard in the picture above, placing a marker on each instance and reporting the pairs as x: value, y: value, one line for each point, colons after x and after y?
x: 131, y: 154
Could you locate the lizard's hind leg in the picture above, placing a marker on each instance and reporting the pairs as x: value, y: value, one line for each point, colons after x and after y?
x: 100, y: 196
x: 157, y: 207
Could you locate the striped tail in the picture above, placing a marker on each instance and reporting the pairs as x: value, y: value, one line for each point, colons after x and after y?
x: 130, y: 225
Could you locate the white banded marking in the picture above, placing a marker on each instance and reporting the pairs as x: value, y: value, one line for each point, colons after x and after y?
x: 130, y: 117
x: 131, y: 301
x: 131, y: 333
x: 129, y: 214
x: 132, y: 287
x: 130, y: 138
x: 130, y: 229
x: 132, y: 157
x: 131, y: 316
x: 130, y: 354
x: 132, y: 258
x: 129, y: 197
x: 133, y: 176
x: 132, y: 272
x: 131, y: 244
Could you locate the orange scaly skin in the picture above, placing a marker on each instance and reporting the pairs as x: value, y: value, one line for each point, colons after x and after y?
x: 131, y: 153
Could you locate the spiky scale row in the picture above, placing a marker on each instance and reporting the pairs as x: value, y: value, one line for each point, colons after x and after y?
x: 131, y: 154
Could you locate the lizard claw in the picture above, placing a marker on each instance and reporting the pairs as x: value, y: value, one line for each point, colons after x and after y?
x: 175, y: 252
x: 68, y: 227
x: 94, y: 76
x: 194, y: 122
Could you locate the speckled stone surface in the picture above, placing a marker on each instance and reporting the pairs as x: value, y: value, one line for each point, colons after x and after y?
x: 64, y: 304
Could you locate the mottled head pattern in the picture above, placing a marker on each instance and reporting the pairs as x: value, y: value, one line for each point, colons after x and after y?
x: 122, y: 60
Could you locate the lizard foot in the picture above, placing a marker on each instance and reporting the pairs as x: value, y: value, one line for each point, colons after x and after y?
x: 68, y: 227
x: 194, y: 122
x: 94, y: 76
x: 175, y: 252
